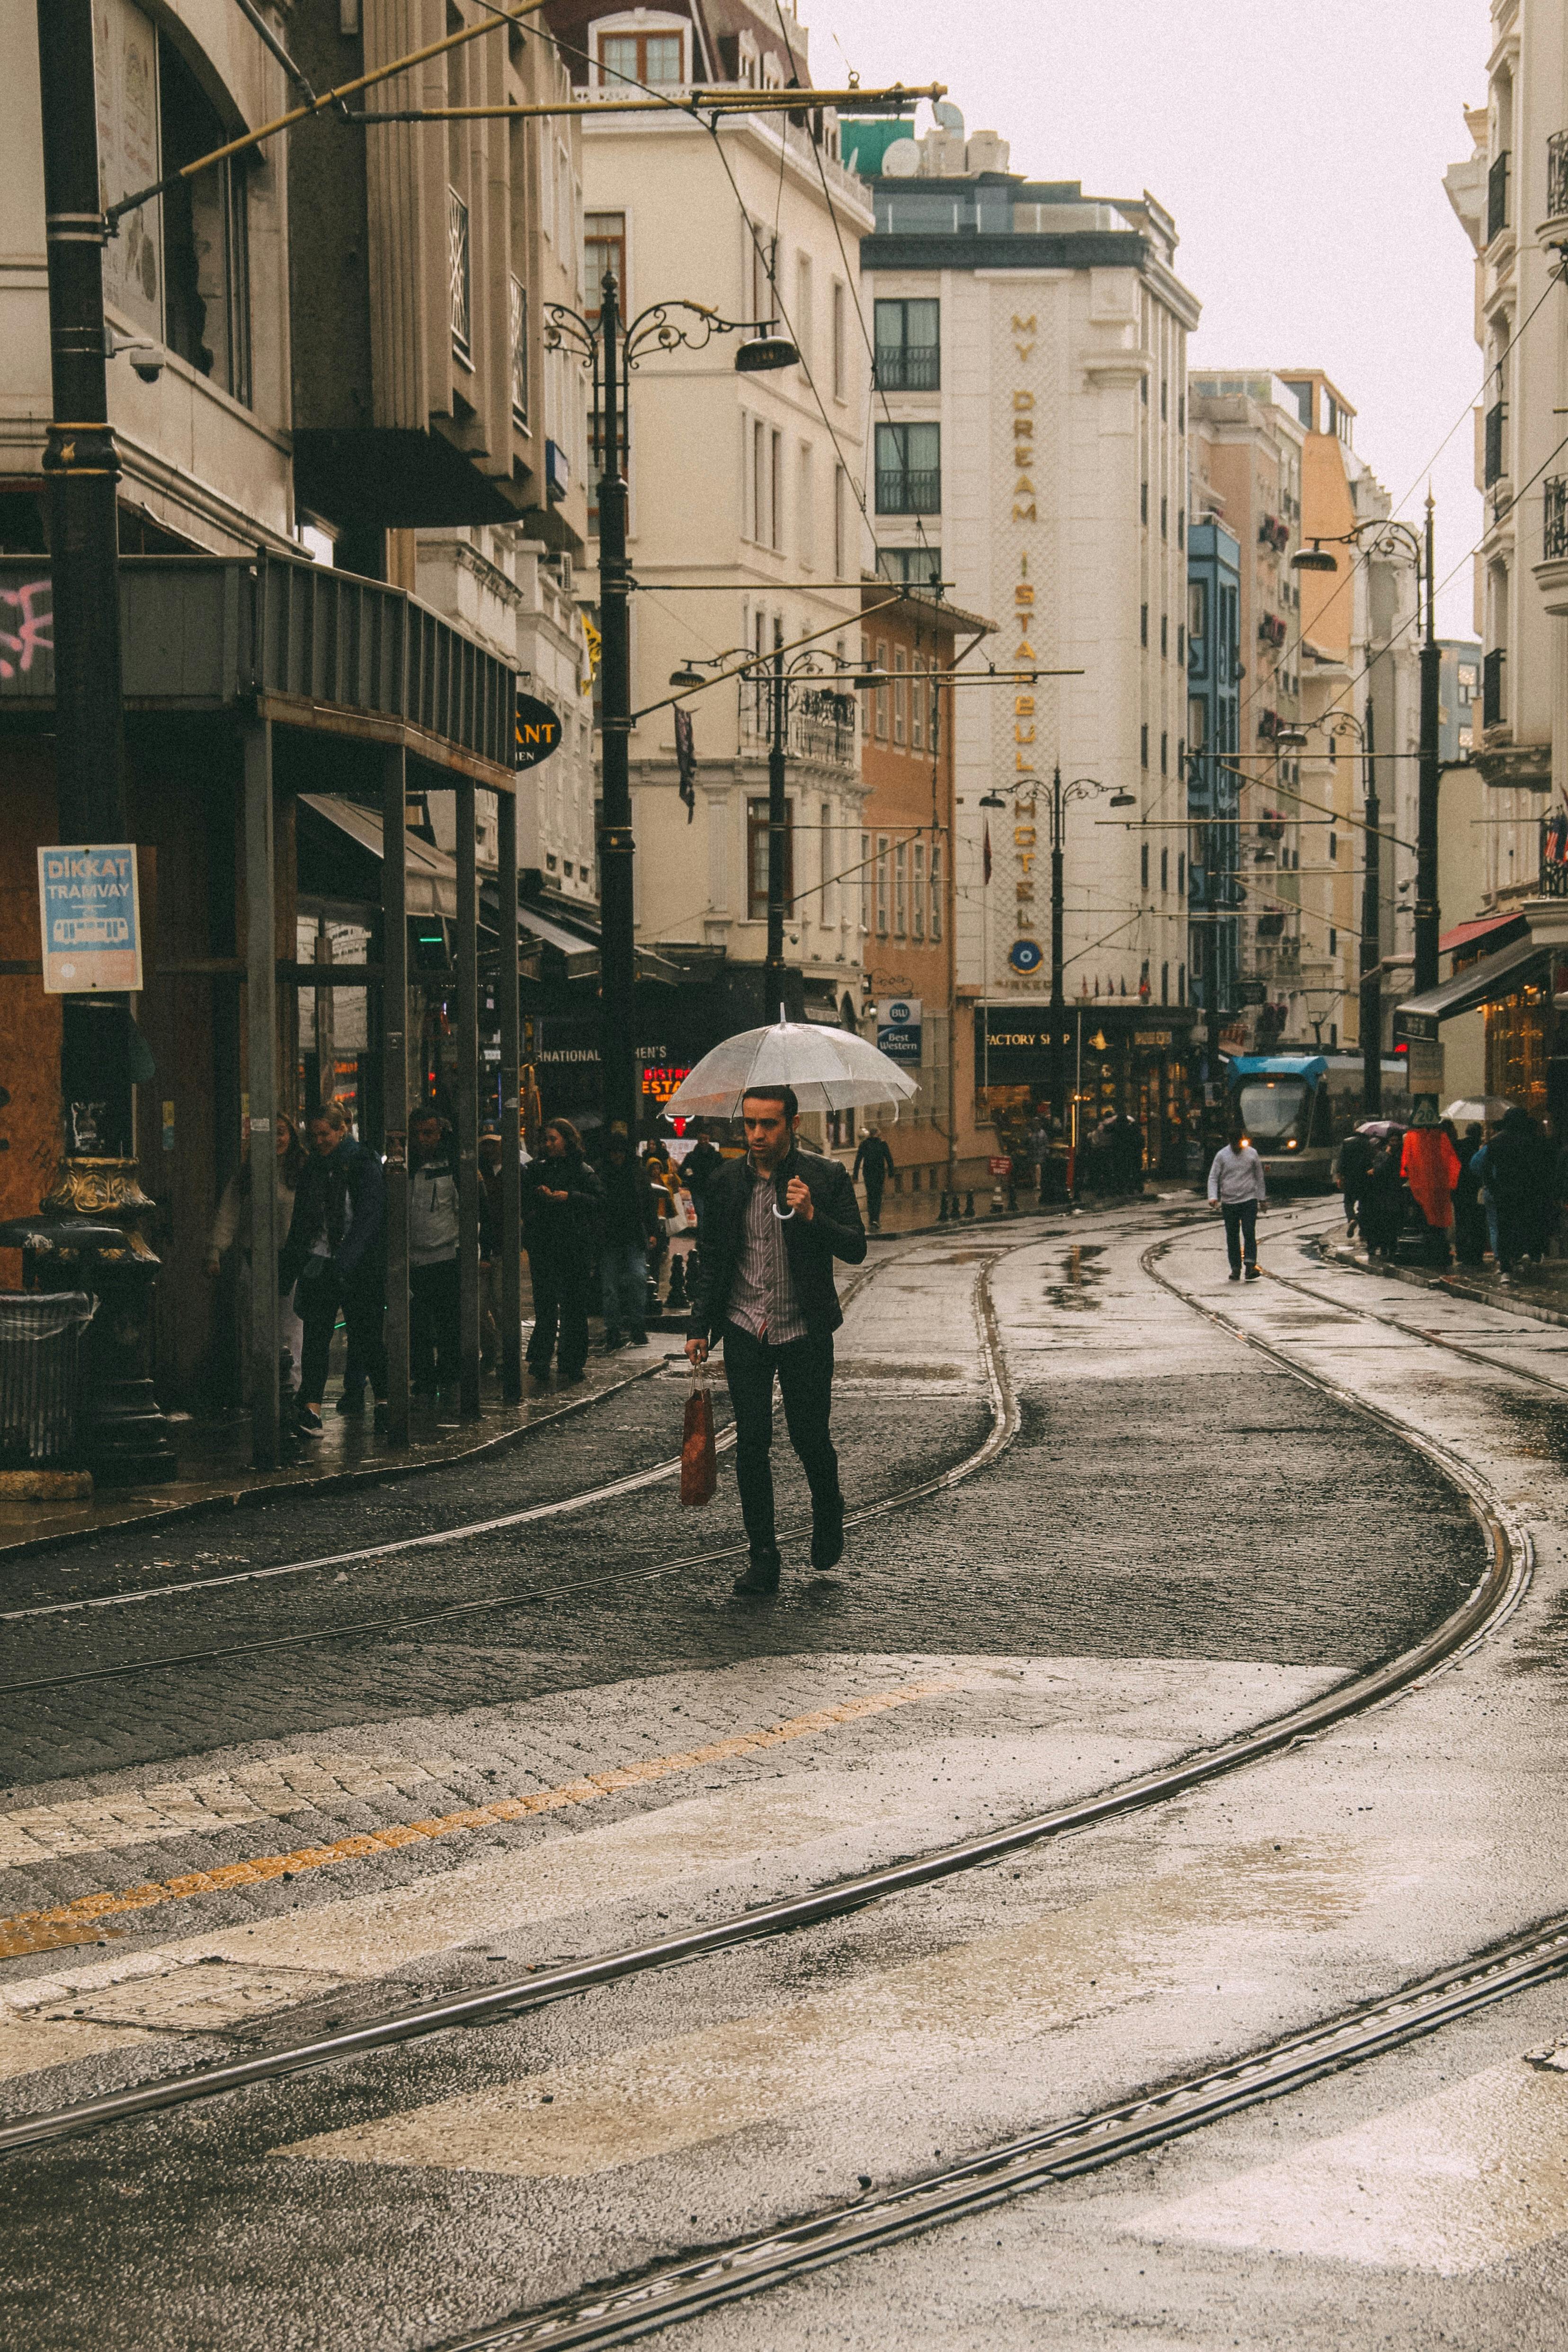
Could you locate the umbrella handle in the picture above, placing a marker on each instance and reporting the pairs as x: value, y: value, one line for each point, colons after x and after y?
x: 783, y: 1216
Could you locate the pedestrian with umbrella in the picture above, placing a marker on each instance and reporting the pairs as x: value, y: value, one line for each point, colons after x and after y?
x: 774, y: 1223
x: 1430, y: 1166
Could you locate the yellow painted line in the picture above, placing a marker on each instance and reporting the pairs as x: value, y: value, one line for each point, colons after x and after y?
x: 82, y: 1922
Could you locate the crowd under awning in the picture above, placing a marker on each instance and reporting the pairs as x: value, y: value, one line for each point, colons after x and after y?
x: 1481, y: 982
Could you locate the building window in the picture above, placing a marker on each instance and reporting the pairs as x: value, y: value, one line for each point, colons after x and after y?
x: 915, y: 567
x: 1164, y: 517
x: 825, y: 853
x: 1165, y: 983
x: 1197, y: 608
x: 603, y: 250
x: 1165, y: 636
x: 900, y: 888
x: 882, y: 886
x: 1164, y: 402
x: 909, y: 346
x: 757, y: 858
x: 1182, y: 527
x: 900, y: 697
x: 459, y: 285
x: 1144, y: 624
x: 1333, y: 845
x: 840, y: 350
x: 765, y: 256
x: 207, y: 256
x: 1143, y: 502
x: 936, y: 887
x: 1165, y: 871
x: 918, y: 692
x: 909, y: 470
x: 1181, y: 872
x: 1197, y: 721
x: 864, y: 883
x: 1164, y: 755
x: 1181, y: 642
x: 1144, y: 867
x: 517, y: 337
x: 640, y: 57
x: 1144, y: 744
x: 1180, y: 983
x: 917, y: 900
x: 840, y: 542
x: 882, y: 693
x: 1334, y: 941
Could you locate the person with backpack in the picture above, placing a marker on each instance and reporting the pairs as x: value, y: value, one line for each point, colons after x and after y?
x: 874, y: 1162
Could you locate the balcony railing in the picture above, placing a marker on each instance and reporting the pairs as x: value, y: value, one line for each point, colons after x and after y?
x: 1491, y: 688
x: 818, y: 724
x: 1497, y: 197
x: 910, y: 491
x: 459, y: 278
x: 1553, y: 518
x: 908, y: 367
x: 1554, y: 855
x: 1557, y: 175
x: 1493, y: 467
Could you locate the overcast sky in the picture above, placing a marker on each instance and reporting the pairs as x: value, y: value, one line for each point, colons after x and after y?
x: 1301, y: 151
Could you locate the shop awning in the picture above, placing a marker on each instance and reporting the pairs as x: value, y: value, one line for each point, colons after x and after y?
x: 1491, y: 976
x: 432, y: 884
x: 1485, y: 927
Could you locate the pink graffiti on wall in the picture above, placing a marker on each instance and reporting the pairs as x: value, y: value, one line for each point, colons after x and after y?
x: 31, y: 635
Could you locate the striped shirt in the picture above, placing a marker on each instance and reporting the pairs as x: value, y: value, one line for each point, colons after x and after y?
x: 763, y: 1299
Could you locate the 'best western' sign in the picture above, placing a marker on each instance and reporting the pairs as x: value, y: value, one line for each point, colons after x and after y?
x: 90, y: 916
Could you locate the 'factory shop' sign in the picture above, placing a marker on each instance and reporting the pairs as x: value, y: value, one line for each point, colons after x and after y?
x: 91, y: 920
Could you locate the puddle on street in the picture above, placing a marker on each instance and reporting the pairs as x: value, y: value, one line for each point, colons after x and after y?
x: 1073, y: 1291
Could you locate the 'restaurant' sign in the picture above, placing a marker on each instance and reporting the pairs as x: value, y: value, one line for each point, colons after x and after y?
x: 538, y: 731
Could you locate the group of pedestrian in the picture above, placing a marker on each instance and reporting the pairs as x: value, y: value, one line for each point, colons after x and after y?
x: 1465, y: 1192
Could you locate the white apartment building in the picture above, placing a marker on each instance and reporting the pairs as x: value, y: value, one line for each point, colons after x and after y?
x: 744, y: 531
x: 1030, y: 444
x: 1511, y: 199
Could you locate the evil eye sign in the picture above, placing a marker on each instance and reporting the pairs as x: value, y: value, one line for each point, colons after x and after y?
x: 899, y: 1029
x: 1026, y: 955
x: 538, y: 731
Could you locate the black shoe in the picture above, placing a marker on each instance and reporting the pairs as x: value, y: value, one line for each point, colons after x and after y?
x: 638, y: 1339
x: 827, y: 1537
x: 309, y: 1421
x: 571, y: 1380
x: 351, y: 1401
x: 1254, y: 1273
x: 762, y: 1573
x: 1236, y: 1276
x: 378, y: 1421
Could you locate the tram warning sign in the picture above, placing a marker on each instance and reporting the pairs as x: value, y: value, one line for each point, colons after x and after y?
x: 91, y: 920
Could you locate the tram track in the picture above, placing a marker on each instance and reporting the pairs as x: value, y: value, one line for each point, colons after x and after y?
x: 1492, y: 1598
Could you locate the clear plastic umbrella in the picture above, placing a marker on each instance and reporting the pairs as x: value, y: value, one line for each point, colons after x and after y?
x: 830, y: 1069
x: 1483, y: 1110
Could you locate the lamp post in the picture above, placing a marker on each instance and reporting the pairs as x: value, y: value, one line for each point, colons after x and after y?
x: 1345, y: 722
x: 780, y: 679
x: 1385, y: 536
x: 610, y: 348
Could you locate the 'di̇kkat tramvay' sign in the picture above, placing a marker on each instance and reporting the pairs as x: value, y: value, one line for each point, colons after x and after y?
x: 91, y: 918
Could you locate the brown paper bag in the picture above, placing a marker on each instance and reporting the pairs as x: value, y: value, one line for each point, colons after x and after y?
x: 699, y: 1457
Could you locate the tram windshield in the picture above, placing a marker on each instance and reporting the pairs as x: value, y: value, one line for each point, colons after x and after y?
x: 1272, y: 1108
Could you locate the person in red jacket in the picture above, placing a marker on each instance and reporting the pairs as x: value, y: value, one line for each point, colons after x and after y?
x: 1430, y: 1166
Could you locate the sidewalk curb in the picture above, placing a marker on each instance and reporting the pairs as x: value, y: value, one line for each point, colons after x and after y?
x: 336, y: 1482
x: 1454, y: 1285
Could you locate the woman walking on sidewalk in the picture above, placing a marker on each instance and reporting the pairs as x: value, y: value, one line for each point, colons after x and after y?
x: 561, y: 1196
x: 1430, y: 1166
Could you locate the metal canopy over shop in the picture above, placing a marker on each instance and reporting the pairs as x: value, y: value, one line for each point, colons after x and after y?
x: 300, y: 681
x: 1419, y: 1017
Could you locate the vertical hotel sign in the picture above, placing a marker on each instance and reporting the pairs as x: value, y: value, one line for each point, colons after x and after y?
x: 90, y: 916
x: 1024, y: 954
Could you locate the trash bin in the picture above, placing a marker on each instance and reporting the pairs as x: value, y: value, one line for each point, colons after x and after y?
x: 40, y: 1373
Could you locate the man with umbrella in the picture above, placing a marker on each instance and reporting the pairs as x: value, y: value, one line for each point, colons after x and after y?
x: 773, y: 1224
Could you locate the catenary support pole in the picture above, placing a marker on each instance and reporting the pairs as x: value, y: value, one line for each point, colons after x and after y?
x: 1370, y: 938
x: 395, y: 1082
x: 510, y: 1108
x: 617, y: 958
x: 1059, y: 1006
x: 261, y: 1065
x: 778, y: 840
x: 1426, y: 918
x: 468, y: 1106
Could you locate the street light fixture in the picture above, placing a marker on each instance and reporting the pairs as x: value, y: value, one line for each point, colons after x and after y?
x: 610, y: 349
x: 1313, y: 559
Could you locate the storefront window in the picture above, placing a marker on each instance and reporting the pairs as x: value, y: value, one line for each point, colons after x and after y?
x: 1518, y: 1033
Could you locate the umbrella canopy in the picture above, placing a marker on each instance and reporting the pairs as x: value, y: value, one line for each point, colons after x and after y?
x: 1485, y: 1108
x: 830, y: 1069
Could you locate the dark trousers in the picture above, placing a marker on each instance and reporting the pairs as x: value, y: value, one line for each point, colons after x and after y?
x: 804, y: 1369
x: 874, y: 1184
x: 560, y: 1311
x: 362, y: 1298
x: 1240, y: 1227
x: 432, y: 1325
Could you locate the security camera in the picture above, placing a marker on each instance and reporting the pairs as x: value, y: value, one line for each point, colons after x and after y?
x: 147, y: 360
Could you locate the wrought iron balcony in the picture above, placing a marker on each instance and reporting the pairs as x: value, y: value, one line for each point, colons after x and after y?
x: 1557, y: 175
x: 1497, y: 197
x: 1555, y: 857
x: 915, y: 489
x: 1554, y: 519
x: 908, y: 367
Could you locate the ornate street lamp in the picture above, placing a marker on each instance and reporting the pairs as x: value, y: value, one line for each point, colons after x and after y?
x: 610, y: 351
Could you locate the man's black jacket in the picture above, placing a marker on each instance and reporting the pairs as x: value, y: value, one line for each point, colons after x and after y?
x: 834, y: 1230
x: 341, y: 1194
